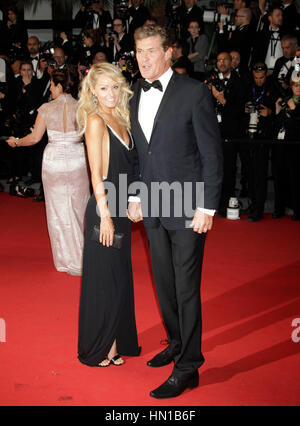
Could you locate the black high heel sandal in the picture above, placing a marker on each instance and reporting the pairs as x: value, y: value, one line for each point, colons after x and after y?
x: 115, y: 358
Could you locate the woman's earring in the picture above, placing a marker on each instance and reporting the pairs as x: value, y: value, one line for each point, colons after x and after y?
x: 95, y: 100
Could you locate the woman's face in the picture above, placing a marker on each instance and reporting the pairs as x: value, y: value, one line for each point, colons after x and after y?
x: 107, y: 92
x: 296, y: 89
x: 26, y: 72
x: 55, y: 90
x: 87, y: 41
x: 194, y: 29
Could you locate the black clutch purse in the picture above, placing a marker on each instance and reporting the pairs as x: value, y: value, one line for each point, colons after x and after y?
x: 118, y: 238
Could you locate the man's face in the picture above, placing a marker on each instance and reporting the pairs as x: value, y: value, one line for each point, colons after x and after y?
x: 118, y: 26
x: 288, y: 48
x: 33, y: 46
x: 296, y: 89
x: 59, y: 57
x: 136, y: 3
x: 176, y: 51
x: 99, y: 58
x: 189, y: 3
x: 276, y: 17
x: 235, y: 59
x: 224, y: 63
x: 153, y: 61
x: 239, y: 18
x: 260, y: 78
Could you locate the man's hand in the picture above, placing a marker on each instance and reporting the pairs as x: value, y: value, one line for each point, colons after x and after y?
x: 202, y: 222
x: 264, y: 111
x: 134, y: 212
x: 218, y: 95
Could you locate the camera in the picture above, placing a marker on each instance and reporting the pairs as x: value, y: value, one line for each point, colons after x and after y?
x: 122, y: 8
x: 110, y: 33
x: 216, y: 80
x: 253, y: 111
x: 47, y: 54
x: 129, y: 59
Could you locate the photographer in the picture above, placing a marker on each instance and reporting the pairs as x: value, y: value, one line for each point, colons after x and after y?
x: 13, y: 35
x: 138, y: 14
x: 180, y: 62
x: 226, y: 90
x: 267, y: 45
x: 189, y: 12
x: 260, y: 97
x: 26, y: 98
x: 198, y: 49
x: 90, y: 45
x: 93, y: 16
x: 285, y: 158
x: 284, y: 65
x: 117, y: 41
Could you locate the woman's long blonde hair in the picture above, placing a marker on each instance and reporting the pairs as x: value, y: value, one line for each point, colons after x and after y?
x: 86, y: 106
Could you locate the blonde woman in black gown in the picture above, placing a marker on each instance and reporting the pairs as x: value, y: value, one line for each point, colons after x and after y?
x: 107, y: 327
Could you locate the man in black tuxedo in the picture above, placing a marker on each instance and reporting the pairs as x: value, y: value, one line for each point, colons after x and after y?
x: 177, y: 138
x: 138, y: 14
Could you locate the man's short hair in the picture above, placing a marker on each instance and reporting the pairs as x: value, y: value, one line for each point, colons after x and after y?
x: 259, y: 67
x: 151, y: 31
x: 290, y: 37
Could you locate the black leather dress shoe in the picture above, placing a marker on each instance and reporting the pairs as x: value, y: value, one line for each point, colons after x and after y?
x: 163, y: 358
x: 296, y: 217
x: 174, y: 386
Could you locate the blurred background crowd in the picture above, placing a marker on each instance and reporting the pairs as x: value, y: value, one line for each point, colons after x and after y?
x: 246, y: 51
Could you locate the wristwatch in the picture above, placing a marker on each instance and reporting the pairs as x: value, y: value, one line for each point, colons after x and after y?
x: 15, y: 142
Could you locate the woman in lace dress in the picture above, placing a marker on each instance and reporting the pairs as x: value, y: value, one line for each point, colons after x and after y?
x: 64, y: 171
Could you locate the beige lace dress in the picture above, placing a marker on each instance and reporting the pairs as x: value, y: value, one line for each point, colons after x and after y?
x: 66, y: 183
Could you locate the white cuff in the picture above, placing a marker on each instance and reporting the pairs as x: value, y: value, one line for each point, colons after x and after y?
x: 133, y: 199
x: 207, y: 211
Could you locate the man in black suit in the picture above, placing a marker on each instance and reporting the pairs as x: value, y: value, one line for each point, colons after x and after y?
x: 178, y: 142
x: 226, y: 90
x: 138, y: 14
x: 240, y: 39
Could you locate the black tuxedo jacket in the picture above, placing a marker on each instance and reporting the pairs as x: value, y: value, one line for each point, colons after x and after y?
x: 185, y: 145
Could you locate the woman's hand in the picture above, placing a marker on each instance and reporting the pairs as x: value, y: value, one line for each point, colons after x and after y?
x: 106, y: 231
x: 12, y: 141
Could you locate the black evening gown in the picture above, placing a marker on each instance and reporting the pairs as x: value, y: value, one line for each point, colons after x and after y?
x: 106, y: 310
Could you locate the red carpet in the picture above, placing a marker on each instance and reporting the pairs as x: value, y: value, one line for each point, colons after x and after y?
x: 250, y: 292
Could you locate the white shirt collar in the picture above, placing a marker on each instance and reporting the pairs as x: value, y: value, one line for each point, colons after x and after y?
x: 165, y: 78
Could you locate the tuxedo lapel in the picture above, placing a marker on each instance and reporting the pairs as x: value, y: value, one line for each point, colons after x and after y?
x: 136, y: 112
x: 167, y: 94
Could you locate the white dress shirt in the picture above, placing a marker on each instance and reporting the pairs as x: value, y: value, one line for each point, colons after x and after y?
x: 148, y: 107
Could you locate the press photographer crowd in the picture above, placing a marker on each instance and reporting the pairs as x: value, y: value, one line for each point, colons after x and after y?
x: 246, y: 52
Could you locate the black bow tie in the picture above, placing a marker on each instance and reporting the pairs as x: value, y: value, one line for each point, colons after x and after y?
x: 36, y: 58
x: 147, y: 86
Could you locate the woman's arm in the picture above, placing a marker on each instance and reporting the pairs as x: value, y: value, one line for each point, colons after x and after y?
x: 32, y: 138
x: 94, y: 137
